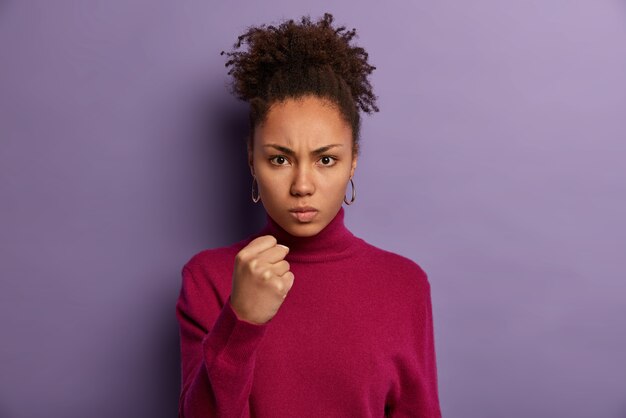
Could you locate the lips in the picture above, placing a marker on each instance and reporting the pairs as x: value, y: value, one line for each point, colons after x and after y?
x: 303, y: 209
x: 303, y: 213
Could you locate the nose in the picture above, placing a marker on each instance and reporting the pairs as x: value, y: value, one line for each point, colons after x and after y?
x: 302, y: 183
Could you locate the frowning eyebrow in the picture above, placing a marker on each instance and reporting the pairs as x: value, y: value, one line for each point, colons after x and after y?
x: 291, y: 152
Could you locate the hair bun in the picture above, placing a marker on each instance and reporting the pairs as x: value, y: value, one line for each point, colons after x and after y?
x: 291, y: 47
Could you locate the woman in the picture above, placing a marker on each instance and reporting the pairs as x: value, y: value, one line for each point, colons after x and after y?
x: 303, y: 318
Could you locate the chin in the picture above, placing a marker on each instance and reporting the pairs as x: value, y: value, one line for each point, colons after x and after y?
x: 304, y: 229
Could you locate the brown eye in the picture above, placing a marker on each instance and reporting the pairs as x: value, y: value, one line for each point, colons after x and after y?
x: 328, y: 159
x: 279, y: 158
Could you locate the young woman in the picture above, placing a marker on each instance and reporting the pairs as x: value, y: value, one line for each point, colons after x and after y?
x: 303, y: 318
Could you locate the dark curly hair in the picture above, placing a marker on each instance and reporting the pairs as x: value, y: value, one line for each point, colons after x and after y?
x: 295, y: 60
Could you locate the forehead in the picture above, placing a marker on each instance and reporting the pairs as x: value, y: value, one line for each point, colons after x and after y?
x: 308, y: 120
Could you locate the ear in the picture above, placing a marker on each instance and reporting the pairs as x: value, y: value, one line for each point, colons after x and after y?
x: 353, y: 168
x: 250, y: 155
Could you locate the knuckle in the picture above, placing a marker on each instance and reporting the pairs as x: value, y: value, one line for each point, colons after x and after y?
x: 253, y: 264
x: 280, y: 287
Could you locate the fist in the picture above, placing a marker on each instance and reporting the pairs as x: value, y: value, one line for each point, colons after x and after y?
x: 261, y: 280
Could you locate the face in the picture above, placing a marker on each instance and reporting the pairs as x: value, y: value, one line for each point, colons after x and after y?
x: 302, y: 156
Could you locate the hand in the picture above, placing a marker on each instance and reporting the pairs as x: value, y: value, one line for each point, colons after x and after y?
x: 261, y: 280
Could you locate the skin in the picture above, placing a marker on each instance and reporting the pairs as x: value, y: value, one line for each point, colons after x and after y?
x: 302, y: 125
x: 261, y: 275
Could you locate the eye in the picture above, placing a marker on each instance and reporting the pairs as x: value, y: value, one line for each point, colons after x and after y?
x: 327, y: 158
x: 280, y: 159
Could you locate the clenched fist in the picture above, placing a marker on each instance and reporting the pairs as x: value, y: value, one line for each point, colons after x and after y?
x: 261, y: 280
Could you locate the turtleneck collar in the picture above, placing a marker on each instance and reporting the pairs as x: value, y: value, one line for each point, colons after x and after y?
x: 334, y: 241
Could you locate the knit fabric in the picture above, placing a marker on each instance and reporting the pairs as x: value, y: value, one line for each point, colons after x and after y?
x: 353, y: 338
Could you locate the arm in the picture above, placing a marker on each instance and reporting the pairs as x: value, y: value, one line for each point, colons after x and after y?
x: 418, y: 394
x: 217, y: 365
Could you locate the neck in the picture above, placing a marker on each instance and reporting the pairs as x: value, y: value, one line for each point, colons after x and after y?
x: 332, y: 242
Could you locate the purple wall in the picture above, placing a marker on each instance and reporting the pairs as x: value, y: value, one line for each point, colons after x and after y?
x: 496, y: 163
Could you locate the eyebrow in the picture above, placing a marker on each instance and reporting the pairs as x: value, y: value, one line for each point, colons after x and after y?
x: 289, y: 151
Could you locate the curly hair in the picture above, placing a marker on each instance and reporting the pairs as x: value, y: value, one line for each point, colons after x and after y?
x: 295, y: 60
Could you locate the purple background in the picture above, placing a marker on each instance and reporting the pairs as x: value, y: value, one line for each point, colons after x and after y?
x: 496, y: 163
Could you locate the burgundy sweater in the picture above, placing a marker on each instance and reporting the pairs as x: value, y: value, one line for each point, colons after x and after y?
x: 353, y: 338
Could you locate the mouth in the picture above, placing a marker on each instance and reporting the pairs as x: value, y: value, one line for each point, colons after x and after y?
x: 304, y: 214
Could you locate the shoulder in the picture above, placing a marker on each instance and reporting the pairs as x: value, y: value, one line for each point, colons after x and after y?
x: 205, y: 284
x: 212, y: 265
x: 403, y: 269
x: 212, y: 258
x: 401, y: 280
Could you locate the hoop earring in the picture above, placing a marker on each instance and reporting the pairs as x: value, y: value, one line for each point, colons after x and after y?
x: 353, y: 194
x: 255, y: 199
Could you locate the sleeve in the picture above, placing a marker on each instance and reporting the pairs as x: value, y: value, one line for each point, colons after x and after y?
x: 217, y: 364
x: 418, y: 393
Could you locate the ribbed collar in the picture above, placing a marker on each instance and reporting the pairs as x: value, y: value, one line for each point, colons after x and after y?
x: 333, y: 242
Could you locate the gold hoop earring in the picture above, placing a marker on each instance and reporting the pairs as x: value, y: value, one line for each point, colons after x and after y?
x: 255, y: 199
x: 353, y: 194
